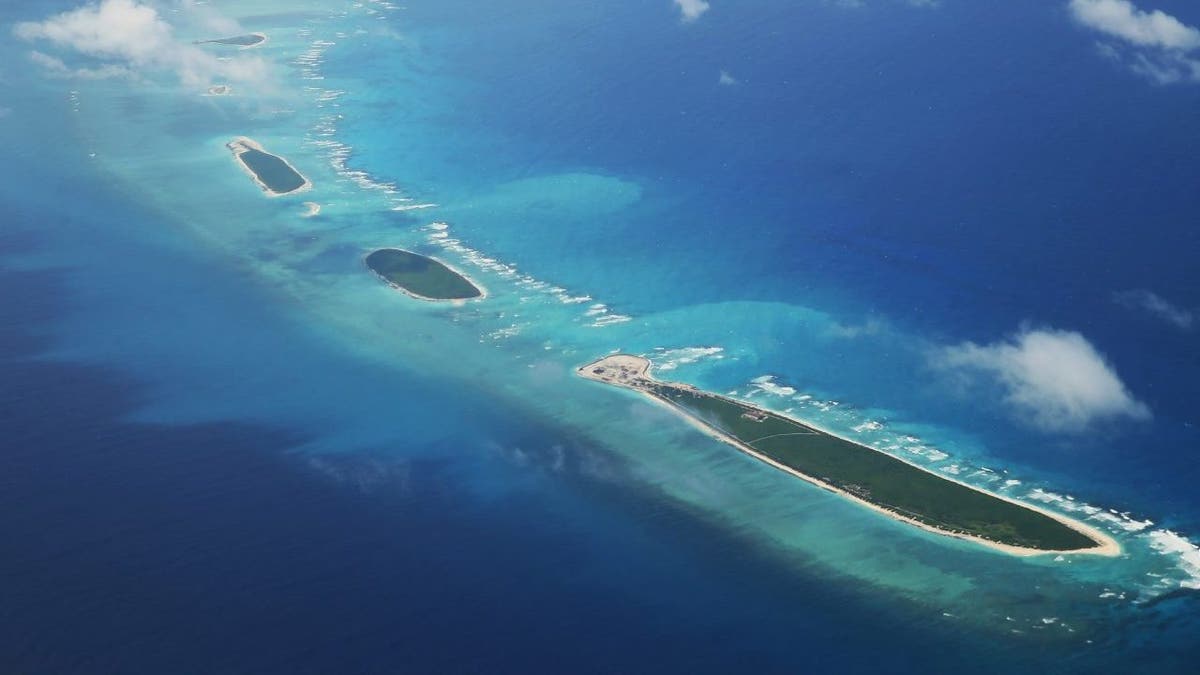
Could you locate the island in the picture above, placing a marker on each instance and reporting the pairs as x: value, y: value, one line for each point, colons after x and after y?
x: 244, y: 41
x: 861, y: 473
x: 422, y: 277
x: 272, y: 173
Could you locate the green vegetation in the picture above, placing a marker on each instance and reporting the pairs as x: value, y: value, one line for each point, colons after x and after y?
x: 272, y: 171
x: 421, y: 276
x: 238, y: 40
x: 877, y: 477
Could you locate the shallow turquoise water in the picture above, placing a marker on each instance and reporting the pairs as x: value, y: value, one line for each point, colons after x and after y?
x: 599, y: 227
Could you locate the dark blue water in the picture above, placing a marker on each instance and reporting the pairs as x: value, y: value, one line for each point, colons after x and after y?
x: 427, y: 544
x: 956, y: 172
x: 133, y: 548
x: 206, y: 548
x: 128, y: 547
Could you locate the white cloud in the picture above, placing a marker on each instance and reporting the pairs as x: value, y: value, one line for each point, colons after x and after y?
x: 56, y: 66
x: 726, y: 79
x: 690, y: 10
x: 1170, y: 68
x: 1053, y: 379
x: 1157, y: 306
x: 128, y: 37
x: 207, y: 19
x: 1152, y: 44
x: 52, y: 63
x: 1122, y: 19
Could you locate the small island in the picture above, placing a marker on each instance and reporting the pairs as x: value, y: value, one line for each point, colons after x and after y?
x: 272, y: 173
x: 244, y: 41
x: 876, y: 479
x: 422, y: 277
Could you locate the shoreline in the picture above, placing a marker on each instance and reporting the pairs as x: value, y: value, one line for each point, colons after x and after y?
x: 241, y: 144
x: 265, y: 39
x: 483, y: 292
x: 1106, y: 545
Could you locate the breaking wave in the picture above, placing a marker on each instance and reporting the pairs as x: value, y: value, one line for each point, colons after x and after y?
x: 670, y: 359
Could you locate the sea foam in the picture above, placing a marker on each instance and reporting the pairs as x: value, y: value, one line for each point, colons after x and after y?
x: 1170, y: 543
x: 439, y: 234
x: 670, y: 359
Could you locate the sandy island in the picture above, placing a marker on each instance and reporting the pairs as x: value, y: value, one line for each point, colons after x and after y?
x: 241, y: 145
x: 483, y: 292
x: 633, y: 372
x: 311, y: 209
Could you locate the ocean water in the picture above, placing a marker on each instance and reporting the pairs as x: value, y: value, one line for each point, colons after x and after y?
x: 228, y: 448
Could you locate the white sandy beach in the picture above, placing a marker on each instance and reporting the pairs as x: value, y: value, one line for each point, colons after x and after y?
x: 258, y: 44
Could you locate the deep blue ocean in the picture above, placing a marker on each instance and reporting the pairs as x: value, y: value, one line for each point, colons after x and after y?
x: 224, y: 448
x: 215, y: 547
